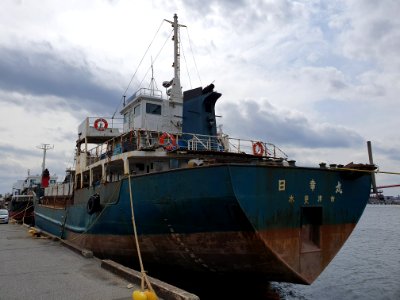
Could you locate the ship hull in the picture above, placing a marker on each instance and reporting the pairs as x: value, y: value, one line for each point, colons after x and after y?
x: 276, y: 223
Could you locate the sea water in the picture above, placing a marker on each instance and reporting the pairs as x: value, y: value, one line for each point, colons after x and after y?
x: 367, y: 266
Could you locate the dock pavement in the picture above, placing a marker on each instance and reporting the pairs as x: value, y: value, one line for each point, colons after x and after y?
x: 46, y: 268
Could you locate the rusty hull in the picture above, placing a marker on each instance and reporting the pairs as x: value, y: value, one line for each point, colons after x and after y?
x: 275, y: 255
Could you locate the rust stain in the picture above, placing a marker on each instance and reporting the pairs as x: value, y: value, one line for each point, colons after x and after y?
x: 307, y: 260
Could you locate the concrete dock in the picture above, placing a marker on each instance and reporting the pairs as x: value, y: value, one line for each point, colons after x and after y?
x: 43, y: 268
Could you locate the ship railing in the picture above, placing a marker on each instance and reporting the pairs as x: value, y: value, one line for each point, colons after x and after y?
x: 197, y: 142
x: 225, y: 143
x: 99, y: 129
x: 248, y: 147
x: 145, y: 92
x: 129, y: 141
x: 150, y: 140
x: 21, y: 198
x: 112, y: 124
x: 59, y: 189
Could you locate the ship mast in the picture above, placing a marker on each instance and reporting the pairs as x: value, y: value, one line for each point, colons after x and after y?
x: 45, y: 147
x: 176, y: 90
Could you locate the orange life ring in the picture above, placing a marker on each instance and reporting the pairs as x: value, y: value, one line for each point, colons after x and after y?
x: 101, y: 124
x: 258, y: 149
x: 171, y: 145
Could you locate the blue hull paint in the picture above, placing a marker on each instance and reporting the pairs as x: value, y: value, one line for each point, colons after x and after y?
x: 257, y: 191
x: 50, y: 220
x: 198, y: 200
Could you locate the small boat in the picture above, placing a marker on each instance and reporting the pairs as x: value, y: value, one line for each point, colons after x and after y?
x: 202, y: 200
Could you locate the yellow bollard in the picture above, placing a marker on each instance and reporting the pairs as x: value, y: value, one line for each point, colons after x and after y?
x: 151, y: 295
x: 139, y: 295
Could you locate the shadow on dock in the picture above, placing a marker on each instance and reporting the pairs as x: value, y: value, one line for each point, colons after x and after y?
x: 213, y: 286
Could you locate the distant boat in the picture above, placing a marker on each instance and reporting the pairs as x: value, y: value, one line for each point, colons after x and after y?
x: 203, y: 201
x: 21, y: 205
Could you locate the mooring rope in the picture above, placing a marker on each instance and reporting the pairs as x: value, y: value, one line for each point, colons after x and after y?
x: 144, y: 275
x: 392, y: 173
x: 22, y: 211
x: 368, y: 171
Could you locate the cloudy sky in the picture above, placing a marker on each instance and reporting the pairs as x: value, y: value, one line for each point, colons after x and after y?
x: 317, y: 78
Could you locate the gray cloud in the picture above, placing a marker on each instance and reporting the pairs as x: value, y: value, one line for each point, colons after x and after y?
x: 208, y: 6
x: 249, y: 119
x: 6, y: 149
x: 373, y: 33
x: 245, y: 14
x: 21, y: 153
x: 389, y: 152
x: 46, y: 73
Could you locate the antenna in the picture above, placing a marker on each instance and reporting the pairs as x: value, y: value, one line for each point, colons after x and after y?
x: 153, y: 84
x: 45, y: 147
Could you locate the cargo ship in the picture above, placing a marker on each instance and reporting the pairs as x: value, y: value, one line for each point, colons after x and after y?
x: 202, y: 201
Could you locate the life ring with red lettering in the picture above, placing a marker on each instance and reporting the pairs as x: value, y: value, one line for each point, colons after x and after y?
x: 258, y: 149
x: 169, y: 145
x: 101, y: 124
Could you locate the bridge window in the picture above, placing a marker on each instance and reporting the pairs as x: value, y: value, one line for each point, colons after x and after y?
x: 153, y: 109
